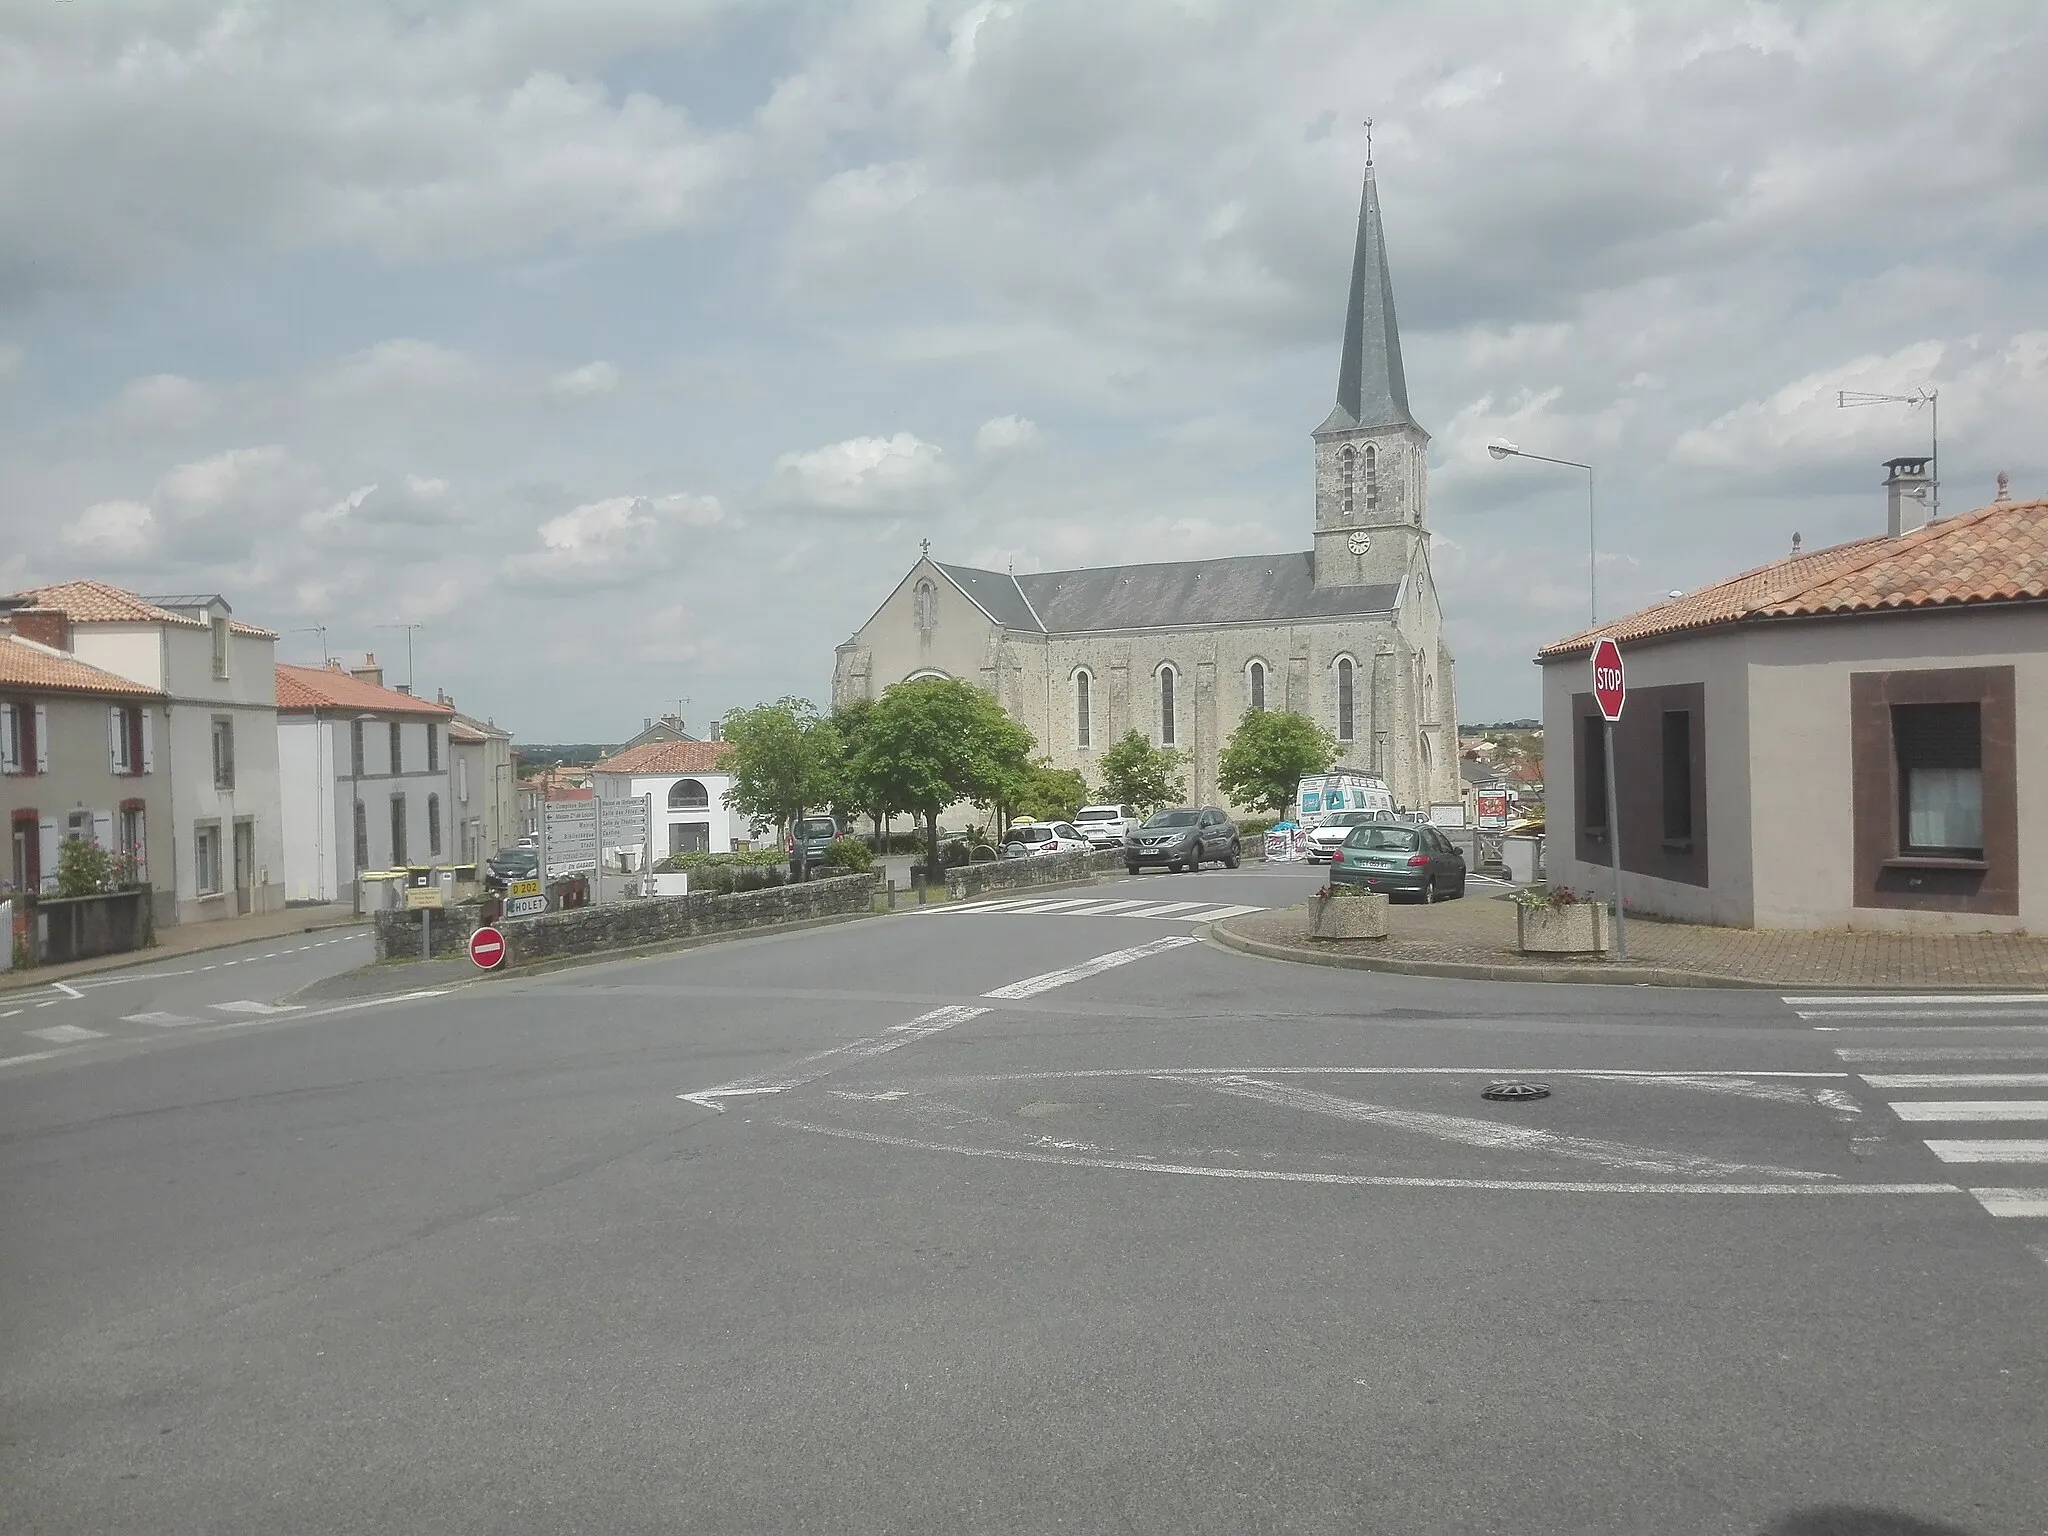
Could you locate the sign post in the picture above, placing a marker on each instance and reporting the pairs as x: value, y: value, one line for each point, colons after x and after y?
x: 1610, y: 692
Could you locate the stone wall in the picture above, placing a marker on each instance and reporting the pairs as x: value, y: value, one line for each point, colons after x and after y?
x: 971, y: 880
x: 632, y: 922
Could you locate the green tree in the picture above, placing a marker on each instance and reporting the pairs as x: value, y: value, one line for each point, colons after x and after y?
x: 1267, y: 755
x: 934, y: 741
x: 853, y: 795
x: 1136, y: 773
x: 1051, y: 794
x: 784, y: 761
x: 83, y: 868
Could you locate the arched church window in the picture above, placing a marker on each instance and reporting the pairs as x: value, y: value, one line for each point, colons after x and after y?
x: 1084, y: 704
x: 1349, y: 461
x: 1255, y: 678
x: 1344, y: 698
x: 1166, y: 720
x: 688, y: 795
x: 925, y: 607
x: 1372, y: 478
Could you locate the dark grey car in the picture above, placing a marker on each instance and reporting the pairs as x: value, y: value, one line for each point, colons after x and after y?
x: 1183, y: 839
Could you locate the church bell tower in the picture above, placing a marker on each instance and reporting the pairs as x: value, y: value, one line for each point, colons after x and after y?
x: 1372, y: 471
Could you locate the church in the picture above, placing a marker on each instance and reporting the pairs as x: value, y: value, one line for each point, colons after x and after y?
x: 1348, y: 632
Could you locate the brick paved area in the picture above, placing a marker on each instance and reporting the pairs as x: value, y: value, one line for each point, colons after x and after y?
x: 1480, y: 931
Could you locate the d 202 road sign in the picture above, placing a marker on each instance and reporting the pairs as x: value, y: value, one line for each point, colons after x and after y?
x: 514, y: 889
x: 526, y: 906
x: 1610, y: 688
x: 487, y: 948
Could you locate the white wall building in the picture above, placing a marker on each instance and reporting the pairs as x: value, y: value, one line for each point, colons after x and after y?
x: 226, y: 844
x: 368, y: 781
x: 486, y: 787
x: 688, y: 787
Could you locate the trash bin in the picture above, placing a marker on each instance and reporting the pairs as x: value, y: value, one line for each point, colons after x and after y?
x: 1520, y: 854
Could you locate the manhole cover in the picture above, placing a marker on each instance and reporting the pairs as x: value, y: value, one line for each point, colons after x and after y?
x: 1514, y: 1093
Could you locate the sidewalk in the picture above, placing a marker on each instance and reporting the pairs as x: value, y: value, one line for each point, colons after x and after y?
x: 1475, y: 938
x: 190, y: 939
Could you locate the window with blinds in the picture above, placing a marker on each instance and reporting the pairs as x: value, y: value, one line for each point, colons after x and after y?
x: 1940, y: 750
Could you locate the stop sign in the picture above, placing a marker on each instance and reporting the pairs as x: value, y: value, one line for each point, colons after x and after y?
x: 1610, y: 689
x: 487, y: 948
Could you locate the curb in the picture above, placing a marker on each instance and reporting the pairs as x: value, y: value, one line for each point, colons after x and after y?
x: 156, y: 955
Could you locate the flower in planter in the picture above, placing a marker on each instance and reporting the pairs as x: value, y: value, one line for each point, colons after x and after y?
x: 1553, y: 898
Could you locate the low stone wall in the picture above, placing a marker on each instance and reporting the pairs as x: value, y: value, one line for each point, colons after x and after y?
x: 85, y: 927
x: 971, y: 880
x: 630, y: 923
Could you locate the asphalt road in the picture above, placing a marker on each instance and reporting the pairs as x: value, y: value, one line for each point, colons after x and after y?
x: 814, y: 1233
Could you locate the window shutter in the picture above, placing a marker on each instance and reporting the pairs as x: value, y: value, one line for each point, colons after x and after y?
x: 148, y: 741
x: 103, y: 828
x: 114, y: 739
x: 46, y: 847
x: 43, y: 740
x: 10, y: 737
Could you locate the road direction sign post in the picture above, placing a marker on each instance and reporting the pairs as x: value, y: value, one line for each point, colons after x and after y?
x: 1610, y: 692
x: 487, y: 948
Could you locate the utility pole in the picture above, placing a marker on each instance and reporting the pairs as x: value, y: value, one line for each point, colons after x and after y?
x: 408, y: 628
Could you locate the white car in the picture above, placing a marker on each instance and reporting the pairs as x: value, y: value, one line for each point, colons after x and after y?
x: 1324, y: 839
x: 1038, y: 837
x: 1106, y: 825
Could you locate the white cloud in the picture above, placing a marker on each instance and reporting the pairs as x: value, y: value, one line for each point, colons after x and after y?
x: 401, y: 368
x: 865, y: 474
x: 618, y: 539
x: 585, y: 383
x: 163, y: 402
x: 119, y: 533
x: 212, y: 481
x: 1005, y: 434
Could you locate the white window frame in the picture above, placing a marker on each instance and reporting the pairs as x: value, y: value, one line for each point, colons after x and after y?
x: 202, y: 833
x: 219, y: 627
x: 223, y: 762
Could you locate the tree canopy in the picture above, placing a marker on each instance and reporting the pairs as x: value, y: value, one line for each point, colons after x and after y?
x: 784, y: 760
x: 1136, y: 773
x: 1267, y: 755
x: 935, y: 740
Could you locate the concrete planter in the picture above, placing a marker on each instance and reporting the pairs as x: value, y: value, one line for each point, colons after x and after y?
x: 1580, y: 929
x: 1348, y: 917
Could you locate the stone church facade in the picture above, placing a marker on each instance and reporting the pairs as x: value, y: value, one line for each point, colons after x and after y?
x: 1349, y: 633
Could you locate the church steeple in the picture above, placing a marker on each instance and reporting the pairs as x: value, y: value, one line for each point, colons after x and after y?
x: 1372, y: 391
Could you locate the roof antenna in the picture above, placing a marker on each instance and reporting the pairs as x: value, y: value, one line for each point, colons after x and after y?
x: 1368, y: 143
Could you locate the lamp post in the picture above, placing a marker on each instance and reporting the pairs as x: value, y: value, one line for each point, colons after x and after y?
x: 1501, y: 448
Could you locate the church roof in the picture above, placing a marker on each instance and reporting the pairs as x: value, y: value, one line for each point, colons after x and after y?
x: 1179, y: 594
x: 1372, y: 389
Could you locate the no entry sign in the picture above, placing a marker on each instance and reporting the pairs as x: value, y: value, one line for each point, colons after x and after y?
x: 1610, y: 688
x: 487, y: 948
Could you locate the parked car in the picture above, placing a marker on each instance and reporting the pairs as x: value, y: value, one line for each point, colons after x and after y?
x: 1183, y: 839
x: 1106, y: 826
x: 1029, y: 838
x: 1393, y: 859
x: 1323, y: 840
x: 813, y: 835
x: 510, y: 864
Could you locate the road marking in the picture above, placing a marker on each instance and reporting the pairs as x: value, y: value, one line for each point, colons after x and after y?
x: 1922, y: 1013
x: 248, y: 1007
x: 2013, y: 1202
x: 1217, y: 914
x: 809, y: 1069
x: 160, y: 1019
x: 10, y: 1013
x: 1101, y: 907
x: 1031, y: 986
x: 20, y: 1061
x: 1162, y: 908
x: 1683, y: 1079
x: 70, y: 992
x: 1990, y: 1151
x: 1956, y: 1079
x: 1034, y: 907
x: 67, y: 1034
x: 1372, y: 1180
x: 231, y: 962
x: 1972, y: 1109
x: 49, y: 1002
x: 1921, y: 1029
x: 1868, y: 999
x: 1493, y: 1134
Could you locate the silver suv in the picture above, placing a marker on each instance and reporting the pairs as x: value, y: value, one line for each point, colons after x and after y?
x: 1183, y: 839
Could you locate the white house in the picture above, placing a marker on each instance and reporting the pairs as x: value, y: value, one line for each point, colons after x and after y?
x: 226, y: 848
x: 688, y: 787
x: 367, y: 778
x: 486, y: 786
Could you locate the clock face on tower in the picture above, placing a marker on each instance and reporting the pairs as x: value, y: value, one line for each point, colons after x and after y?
x: 1360, y: 543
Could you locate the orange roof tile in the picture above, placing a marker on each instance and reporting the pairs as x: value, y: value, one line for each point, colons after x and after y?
x: 1997, y: 554
x: 303, y: 689
x: 37, y: 668
x: 98, y: 602
x: 459, y: 731
x: 657, y: 757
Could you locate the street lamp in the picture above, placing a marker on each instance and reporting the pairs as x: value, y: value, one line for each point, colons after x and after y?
x: 1501, y: 448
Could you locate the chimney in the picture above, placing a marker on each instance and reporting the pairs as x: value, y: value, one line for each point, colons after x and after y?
x: 45, y: 626
x: 1906, y: 481
x: 647, y: 722
x: 369, y: 672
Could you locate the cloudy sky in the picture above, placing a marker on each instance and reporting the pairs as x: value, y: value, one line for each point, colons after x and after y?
x: 631, y: 346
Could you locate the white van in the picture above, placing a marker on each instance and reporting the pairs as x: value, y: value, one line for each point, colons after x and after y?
x: 1341, y: 789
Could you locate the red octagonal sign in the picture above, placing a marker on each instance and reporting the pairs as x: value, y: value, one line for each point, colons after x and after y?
x: 1610, y: 688
x: 487, y: 948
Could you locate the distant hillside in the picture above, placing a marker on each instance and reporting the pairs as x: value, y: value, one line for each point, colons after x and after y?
x: 534, y: 756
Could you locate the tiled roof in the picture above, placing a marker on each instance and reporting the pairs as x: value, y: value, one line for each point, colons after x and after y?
x: 1997, y: 554
x: 1175, y: 594
x: 656, y: 757
x: 310, y: 688
x: 459, y: 731
x: 97, y: 602
x: 25, y: 664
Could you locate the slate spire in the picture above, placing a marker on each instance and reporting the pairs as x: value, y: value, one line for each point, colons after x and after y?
x: 1372, y: 391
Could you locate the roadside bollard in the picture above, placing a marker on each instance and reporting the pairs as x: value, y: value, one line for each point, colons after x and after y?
x: 917, y: 884
x: 891, y: 885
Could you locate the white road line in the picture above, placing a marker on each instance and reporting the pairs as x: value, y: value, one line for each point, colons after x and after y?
x: 1921, y: 1029
x: 1493, y: 1134
x: 1053, y: 906
x: 10, y: 1013
x: 1972, y: 1109
x: 2013, y: 1202
x: 49, y: 1002
x: 1031, y: 986
x: 22, y: 1061
x: 1372, y: 1180
x: 1873, y: 999
x: 1956, y: 1079
x: 1922, y: 1013
x: 1990, y: 1151
x: 823, y: 1063
x: 70, y: 992
x: 160, y: 1019
x: 1162, y: 908
x: 1100, y: 907
x: 1216, y: 914
x: 249, y: 1007
x: 231, y: 962
x: 67, y: 1034
x: 1905, y: 1053
x: 1620, y: 1074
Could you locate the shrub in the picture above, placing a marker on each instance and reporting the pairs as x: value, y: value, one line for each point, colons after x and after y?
x: 849, y: 853
x: 954, y: 854
x: 758, y: 859
x: 1249, y: 827
x: 83, y: 868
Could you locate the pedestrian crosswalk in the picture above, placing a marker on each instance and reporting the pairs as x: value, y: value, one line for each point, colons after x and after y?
x: 79, y: 1034
x: 2010, y: 1012
x: 1090, y: 906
